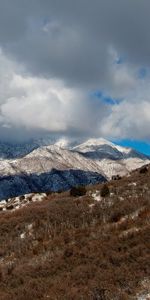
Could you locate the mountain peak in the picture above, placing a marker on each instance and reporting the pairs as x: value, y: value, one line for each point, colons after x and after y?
x: 99, y: 143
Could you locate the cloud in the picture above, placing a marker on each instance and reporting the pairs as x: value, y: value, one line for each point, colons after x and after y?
x: 131, y: 118
x: 71, y: 40
x: 55, y: 53
x: 45, y: 105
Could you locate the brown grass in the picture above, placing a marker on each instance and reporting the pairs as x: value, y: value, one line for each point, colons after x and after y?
x: 73, y: 251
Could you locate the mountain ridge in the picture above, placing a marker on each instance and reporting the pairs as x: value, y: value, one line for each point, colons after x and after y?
x: 99, y: 157
x: 18, y: 150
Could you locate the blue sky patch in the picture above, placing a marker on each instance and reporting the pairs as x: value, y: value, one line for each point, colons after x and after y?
x: 141, y: 146
x: 105, y: 98
x: 110, y: 101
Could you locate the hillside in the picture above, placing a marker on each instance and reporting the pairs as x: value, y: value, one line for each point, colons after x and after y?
x: 91, y: 247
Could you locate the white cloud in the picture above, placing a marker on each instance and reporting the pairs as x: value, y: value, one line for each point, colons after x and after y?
x: 36, y: 104
x: 131, y: 118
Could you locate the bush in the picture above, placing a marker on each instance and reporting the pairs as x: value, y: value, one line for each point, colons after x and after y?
x: 116, y: 177
x: 21, y: 197
x: 60, y: 191
x: 78, y: 191
x: 105, y: 191
x: 48, y: 193
x: 143, y: 170
x: 115, y: 217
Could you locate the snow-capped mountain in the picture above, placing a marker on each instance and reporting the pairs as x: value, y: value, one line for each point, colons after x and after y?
x: 60, y: 166
x: 46, y: 158
x: 45, y: 169
x: 18, y: 150
x: 100, y: 148
x: 111, y: 158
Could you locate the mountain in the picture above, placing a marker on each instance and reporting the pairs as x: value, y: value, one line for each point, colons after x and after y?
x: 63, y: 165
x: 101, y: 148
x: 18, y: 150
x: 47, y: 168
x: 111, y: 158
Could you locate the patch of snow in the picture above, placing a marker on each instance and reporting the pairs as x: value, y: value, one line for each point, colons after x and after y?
x: 30, y: 229
x: 29, y: 226
x: 96, y: 196
x: 145, y: 290
x: 38, y: 197
x: 22, y: 235
x: 3, y: 202
x: 122, y: 149
x: 17, y: 207
x: 91, y: 205
x: 15, y: 202
x: 92, y: 142
x: 129, y: 175
x: 132, y: 184
x: 144, y: 297
x: 111, y: 194
x: 135, y: 163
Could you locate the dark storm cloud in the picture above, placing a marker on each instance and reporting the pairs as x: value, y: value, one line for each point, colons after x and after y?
x: 71, y: 39
x: 53, y: 54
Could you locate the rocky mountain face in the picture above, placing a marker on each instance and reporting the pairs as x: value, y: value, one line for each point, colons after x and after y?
x: 61, y: 166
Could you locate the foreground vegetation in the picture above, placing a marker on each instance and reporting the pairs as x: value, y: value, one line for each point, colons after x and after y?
x: 94, y: 246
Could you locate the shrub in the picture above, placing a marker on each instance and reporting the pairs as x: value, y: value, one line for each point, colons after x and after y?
x: 143, y: 170
x: 116, y: 177
x: 48, y: 193
x: 21, y: 197
x: 115, y: 217
x: 60, y: 191
x: 105, y: 191
x: 78, y: 191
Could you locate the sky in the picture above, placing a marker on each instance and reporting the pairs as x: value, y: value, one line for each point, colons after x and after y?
x: 75, y: 68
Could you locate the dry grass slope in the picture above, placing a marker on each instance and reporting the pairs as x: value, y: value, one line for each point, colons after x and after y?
x: 72, y: 248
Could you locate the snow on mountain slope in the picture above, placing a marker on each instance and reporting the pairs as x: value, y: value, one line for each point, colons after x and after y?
x: 92, y: 144
x: 54, y: 167
x: 103, y: 148
x: 121, y: 167
x: 44, y: 159
x: 96, y: 155
x: 111, y: 158
x: 122, y: 149
x: 47, y: 168
x: 18, y: 150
